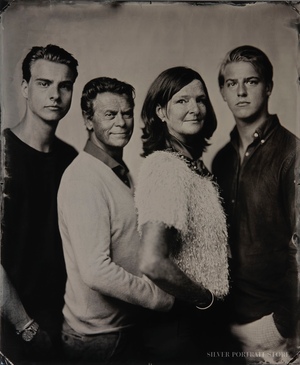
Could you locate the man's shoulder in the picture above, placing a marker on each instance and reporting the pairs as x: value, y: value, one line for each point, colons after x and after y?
x: 223, y: 152
x: 63, y: 146
x: 288, y: 141
x: 288, y: 134
x: 85, y: 167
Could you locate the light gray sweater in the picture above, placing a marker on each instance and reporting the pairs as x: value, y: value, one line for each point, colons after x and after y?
x: 97, y: 221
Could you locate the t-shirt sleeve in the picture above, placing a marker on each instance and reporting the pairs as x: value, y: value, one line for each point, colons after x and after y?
x: 161, y: 192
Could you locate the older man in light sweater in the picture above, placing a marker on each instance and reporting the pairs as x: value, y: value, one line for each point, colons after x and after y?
x: 97, y: 221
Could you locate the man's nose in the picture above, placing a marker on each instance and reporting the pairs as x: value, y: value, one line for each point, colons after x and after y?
x: 241, y: 89
x: 120, y: 120
x: 54, y: 93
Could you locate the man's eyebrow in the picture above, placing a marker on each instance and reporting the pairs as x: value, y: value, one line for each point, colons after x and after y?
x: 110, y: 111
x: 68, y: 82
x: 42, y: 79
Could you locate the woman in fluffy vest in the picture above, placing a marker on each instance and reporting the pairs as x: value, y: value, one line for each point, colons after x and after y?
x: 180, y: 217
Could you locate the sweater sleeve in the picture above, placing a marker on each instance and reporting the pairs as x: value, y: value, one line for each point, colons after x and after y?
x: 85, y: 220
x: 160, y: 194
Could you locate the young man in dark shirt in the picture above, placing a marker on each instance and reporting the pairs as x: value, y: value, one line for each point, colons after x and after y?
x: 33, y: 269
x: 257, y: 174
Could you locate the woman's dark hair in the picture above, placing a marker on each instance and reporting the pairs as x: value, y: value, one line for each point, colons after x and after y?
x: 168, y: 83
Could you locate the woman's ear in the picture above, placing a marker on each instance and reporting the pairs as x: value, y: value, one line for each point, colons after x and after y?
x: 160, y: 112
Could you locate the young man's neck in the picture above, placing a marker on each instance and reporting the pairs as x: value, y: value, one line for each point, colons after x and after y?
x: 246, y: 131
x: 36, y: 133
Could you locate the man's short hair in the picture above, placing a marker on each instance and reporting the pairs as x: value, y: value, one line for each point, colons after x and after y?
x: 51, y: 53
x: 101, y: 85
x: 253, y: 55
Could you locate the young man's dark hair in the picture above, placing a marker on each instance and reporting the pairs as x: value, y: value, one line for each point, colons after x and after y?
x: 51, y: 53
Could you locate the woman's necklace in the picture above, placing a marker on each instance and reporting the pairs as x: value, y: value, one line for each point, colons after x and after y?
x: 195, y: 165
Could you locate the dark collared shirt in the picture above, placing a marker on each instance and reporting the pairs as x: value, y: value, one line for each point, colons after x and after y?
x: 119, y: 168
x: 259, y: 199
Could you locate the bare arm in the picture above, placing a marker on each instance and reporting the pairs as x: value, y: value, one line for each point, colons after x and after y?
x: 155, y: 262
x: 11, y: 306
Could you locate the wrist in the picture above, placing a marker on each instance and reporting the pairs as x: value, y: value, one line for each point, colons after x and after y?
x: 22, y: 324
x: 28, y: 331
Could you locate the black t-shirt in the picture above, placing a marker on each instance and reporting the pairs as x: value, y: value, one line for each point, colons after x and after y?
x: 31, y: 251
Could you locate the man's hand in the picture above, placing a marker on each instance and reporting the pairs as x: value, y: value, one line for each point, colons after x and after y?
x: 40, y: 345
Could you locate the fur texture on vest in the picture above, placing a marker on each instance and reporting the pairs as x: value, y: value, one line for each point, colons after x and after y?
x: 168, y: 191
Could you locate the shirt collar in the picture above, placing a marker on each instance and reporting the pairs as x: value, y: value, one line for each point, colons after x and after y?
x: 100, y: 154
x: 262, y: 133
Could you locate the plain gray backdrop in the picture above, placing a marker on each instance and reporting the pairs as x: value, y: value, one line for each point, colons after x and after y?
x: 134, y: 42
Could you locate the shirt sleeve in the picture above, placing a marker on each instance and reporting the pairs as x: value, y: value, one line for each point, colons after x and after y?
x: 285, y: 315
x: 161, y: 192
x: 84, y: 215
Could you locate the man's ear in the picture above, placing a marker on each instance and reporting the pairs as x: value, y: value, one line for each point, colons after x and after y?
x: 222, y: 93
x: 161, y: 113
x: 269, y: 88
x: 24, y: 88
x: 88, y: 122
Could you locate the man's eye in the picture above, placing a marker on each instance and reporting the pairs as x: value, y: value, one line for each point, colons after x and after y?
x: 67, y: 87
x: 43, y: 83
x: 252, y: 82
x: 181, y: 101
x: 230, y: 83
x: 128, y: 115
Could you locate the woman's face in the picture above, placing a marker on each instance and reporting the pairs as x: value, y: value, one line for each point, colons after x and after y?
x: 185, y: 111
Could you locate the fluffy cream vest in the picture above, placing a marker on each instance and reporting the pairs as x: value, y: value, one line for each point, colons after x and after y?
x: 169, y: 191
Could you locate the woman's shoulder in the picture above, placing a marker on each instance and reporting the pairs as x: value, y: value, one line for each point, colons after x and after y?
x: 162, y: 159
x: 163, y: 168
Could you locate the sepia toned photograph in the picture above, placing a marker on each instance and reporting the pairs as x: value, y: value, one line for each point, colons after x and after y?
x: 150, y: 182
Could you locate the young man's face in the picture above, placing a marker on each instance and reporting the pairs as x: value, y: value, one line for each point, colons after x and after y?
x: 245, y: 92
x: 49, y: 90
x: 112, y: 122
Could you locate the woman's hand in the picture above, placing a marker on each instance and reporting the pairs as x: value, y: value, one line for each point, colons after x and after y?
x: 155, y: 262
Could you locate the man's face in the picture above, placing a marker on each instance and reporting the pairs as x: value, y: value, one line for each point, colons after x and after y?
x: 112, y: 122
x: 245, y: 92
x: 49, y: 90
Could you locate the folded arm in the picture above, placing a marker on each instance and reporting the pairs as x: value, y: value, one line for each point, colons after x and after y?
x: 155, y: 262
x: 86, y: 223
